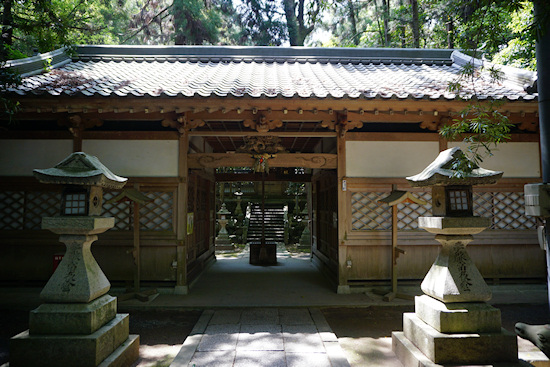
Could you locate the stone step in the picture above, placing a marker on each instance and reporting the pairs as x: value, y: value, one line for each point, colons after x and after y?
x: 410, y: 356
x: 125, y: 355
x: 72, y: 318
x: 69, y: 350
x: 462, y: 348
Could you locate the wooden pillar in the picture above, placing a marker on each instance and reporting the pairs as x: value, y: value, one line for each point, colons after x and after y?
x: 181, y: 216
x: 76, y: 130
x: 137, y: 250
x: 343, y: 286
x: 442, y: 144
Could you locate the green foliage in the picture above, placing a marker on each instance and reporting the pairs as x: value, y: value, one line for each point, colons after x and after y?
x: 260, y: 23
x: 195, y: 23
x: 481, y: 127
x: 44, y: 25
x: 8, y: 106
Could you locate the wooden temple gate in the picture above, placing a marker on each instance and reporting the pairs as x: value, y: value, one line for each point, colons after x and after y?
x: 170, y: 141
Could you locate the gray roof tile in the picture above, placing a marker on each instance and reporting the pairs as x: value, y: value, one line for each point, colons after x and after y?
x: 257, y: 77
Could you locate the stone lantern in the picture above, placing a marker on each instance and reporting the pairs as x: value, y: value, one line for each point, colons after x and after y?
x: 223, y: 242
x: 78, y: 318
x: 452, y: 323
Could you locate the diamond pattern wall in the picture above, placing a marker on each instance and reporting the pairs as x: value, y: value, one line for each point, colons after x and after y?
x: 505, y: 208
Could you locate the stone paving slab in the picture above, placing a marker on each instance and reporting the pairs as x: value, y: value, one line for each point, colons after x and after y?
x: 260, y: 316
x: 273, y: 337
x: 260, y: 358
x: 213, y: 359
x: 302, y: 338
x: 295, y: 316
x: 260, y: 337
x: 219, y: 337
x: 226, y: 316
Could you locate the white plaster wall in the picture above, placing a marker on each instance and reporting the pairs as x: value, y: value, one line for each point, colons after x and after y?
x: 388, y: 158
x: 136, y: 158
x: 514, y: 159
x: 20, y: 157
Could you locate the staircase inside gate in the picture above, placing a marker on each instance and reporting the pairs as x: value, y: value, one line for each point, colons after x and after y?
x: 267, y: 226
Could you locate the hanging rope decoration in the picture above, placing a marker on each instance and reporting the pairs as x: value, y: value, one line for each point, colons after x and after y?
x: 262, y: 148
x: 262, y: 162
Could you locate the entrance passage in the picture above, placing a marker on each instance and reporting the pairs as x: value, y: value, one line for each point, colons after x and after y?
x: 294, y: 282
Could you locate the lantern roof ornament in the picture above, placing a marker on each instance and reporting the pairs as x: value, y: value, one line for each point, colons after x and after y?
x: 398, y: 197
x: 440, y: 172
x: 130, y: 195
x: 80, y: 169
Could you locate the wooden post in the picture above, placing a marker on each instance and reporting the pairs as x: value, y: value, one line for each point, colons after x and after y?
x: 343, y: 286
x: 181, y: 216
x: 137, y: 251
x: 442, y: 144
x: 394, y: 253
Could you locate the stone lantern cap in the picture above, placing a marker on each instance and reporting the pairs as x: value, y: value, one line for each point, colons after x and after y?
x: 439, y: 173
x: 223, y: 210
x: 80, y: 169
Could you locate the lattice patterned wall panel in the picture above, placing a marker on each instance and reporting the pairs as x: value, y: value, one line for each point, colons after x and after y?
x: 407, y: 214
x: 510, y: 211
x: 367, y: 213
x: 506, y: 209
x: 12, y: 209
x: 40, y: 204
x: 157, y: 214
x: 120, y: 211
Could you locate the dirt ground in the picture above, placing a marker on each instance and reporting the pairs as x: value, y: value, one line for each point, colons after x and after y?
x: 364, y: 333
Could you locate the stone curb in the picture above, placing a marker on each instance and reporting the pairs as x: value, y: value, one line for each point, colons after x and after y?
x: 189, y: 346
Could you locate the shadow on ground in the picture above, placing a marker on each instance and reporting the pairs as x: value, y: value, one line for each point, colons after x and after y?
x: 365, y: 333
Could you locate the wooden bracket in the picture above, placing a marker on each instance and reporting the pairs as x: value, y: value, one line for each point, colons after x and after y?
x: 262, y: 123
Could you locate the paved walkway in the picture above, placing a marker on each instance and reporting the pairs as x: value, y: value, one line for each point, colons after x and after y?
x: 270, y: 315
x: 275, y: 337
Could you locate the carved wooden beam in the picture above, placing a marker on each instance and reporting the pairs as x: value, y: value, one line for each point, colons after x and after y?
x: 306, y: 160
x: 262, y: 123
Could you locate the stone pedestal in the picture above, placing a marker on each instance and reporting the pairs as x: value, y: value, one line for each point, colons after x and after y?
x: 223, y: 242
x: 453, y: 276
x: 78, y: 325
x: 440, y: 334
x: 452, y: 324
x: 305, y: 238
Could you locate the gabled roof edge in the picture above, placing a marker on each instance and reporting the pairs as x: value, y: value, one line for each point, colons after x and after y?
x: 519, y: 77
x: 37, y: 64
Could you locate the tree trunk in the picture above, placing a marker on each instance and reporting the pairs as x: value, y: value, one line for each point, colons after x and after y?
x: 450, y: 27
x: 7, y: 28
x: 415, y: 26
x: 297, y: 30
x: 386, y: 15
x: 543, y: 85
x: 353, y: 20
x: 291, y: 21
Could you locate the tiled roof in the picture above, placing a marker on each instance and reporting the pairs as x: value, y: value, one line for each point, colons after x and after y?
x: 266, y: 72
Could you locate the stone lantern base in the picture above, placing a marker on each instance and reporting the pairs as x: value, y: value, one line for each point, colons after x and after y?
x: 440, y: 334
x: 452, y: 325
x: 78, y: 325
x: 88, y: 334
